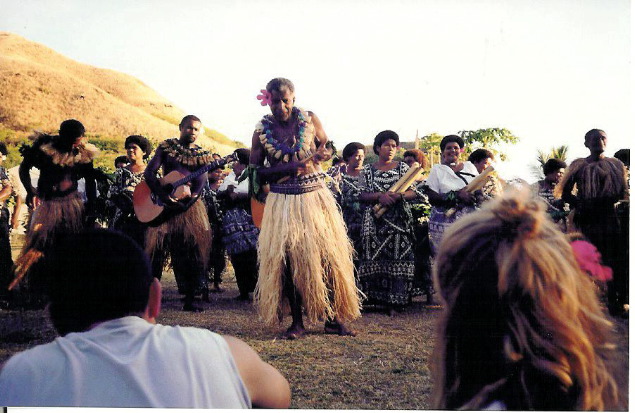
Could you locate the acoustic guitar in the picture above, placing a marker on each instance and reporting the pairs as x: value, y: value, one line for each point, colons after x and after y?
x: 149, y: 208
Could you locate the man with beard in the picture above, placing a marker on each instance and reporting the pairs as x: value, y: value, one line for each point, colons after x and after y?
x: 185, y: 236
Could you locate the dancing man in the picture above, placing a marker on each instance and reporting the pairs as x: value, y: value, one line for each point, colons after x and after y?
x: 304, y: 253
x: 186, y: 235
x: 58, y: 208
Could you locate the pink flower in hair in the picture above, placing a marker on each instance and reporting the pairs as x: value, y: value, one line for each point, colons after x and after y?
x: 589, y: 259
x: 264, y: 97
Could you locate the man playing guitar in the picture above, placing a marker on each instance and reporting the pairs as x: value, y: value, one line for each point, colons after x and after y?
x: 186, y: 235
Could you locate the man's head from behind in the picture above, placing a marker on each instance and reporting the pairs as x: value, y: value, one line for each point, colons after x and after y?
x: 96, y: 276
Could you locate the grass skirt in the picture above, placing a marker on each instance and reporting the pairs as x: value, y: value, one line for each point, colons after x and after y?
x: 50, y: 220
x: 309, y: 231
x: 191, y: 228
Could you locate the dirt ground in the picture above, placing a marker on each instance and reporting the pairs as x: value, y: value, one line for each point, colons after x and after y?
x: 386, y: 366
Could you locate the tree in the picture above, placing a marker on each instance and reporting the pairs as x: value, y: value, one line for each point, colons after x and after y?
x: 488, y: 138
x: 542, y: 158
x: 482, y: 138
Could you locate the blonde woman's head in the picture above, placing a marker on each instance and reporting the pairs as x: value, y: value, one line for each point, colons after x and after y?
x: 521, y: 324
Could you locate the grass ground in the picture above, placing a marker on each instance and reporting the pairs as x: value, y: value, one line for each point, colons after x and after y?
x: 387, y: 366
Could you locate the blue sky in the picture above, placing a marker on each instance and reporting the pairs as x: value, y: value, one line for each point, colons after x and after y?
x: 547, y: 70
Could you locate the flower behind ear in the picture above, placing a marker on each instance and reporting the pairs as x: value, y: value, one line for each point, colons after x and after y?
x: 264, y: 97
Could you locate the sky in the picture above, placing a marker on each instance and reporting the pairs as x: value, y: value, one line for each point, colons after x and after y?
x: 547, y: 70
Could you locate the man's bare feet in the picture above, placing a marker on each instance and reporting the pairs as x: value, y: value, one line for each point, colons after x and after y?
x: 294, y: 332
x: 334, y: 327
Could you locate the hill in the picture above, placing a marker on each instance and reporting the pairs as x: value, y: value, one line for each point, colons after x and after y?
x: 40, y: 87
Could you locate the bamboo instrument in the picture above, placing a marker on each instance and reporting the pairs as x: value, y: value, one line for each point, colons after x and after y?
x: 400, y: 186
x: 476, y: 184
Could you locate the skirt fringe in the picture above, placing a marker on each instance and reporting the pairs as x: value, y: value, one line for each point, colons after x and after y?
x: 53, y: 218
x: 308, y: 230
x: 190, y: 227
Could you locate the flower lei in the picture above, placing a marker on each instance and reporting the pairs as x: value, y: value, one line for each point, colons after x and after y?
x: 187, y: 156
x: 281, y: 150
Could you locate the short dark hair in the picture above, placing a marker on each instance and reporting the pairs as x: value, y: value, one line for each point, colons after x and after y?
x: 96, y: 275
x: 189, y: 117
x: 451, y: 138
x: 553, y: 165
x: 121, y: 159
x: 71, y: 129
x: 418, y: 155
x: 3, y: 149
x: 243, y: 155
x: 624, y: 155
x: 280, y: 83
x: 382, y: 137
x: 142, y: 142
x: 592, y: 133
x: 350, y: 149
x: 479, y: 155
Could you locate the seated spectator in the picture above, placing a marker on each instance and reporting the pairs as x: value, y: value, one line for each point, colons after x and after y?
x: 522, y: 327
x: 111, y: 352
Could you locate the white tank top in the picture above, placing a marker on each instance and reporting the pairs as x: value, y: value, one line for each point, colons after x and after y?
x: 127, y: 362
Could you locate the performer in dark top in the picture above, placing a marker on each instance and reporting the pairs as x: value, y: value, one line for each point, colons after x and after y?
x: 58, y: 207
x: 186, y: 235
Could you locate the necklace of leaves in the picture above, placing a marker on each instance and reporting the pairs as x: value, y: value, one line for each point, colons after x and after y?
x: 282, y: 146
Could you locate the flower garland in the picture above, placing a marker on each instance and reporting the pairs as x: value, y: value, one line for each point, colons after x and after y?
x: 196, y: 156
x: 280, y: 150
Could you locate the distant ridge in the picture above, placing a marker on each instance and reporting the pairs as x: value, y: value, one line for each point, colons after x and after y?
x: 40, y: 87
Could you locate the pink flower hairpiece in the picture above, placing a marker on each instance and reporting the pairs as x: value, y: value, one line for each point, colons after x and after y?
x: 589, y: 259
x: 264, y: 97
x: 461, y: 150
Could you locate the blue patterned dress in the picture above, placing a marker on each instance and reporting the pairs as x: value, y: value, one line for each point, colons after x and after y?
x: 387, y: 261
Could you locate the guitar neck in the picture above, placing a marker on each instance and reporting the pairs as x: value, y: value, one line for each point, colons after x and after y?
x: 199, y: 172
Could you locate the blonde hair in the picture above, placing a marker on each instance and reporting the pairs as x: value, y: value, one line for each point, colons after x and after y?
x: 521, y: 324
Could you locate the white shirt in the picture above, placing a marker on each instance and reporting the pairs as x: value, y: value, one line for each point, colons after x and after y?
x: 442, y: 178
x: 231, y: 179
x: 127, y: 362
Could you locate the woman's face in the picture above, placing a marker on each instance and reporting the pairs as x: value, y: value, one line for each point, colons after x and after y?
x: 451, y: 153
x: 356, y: 161
x: 134, y: 152
x: 483, y: 164
x: 555, y: 176
x: 387, y: 150
x: 215, y: 175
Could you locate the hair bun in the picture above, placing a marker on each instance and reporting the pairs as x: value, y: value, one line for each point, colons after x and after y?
x: 522, y: 215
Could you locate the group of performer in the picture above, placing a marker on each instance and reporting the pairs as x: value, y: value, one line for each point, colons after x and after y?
x: 324, y: 251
